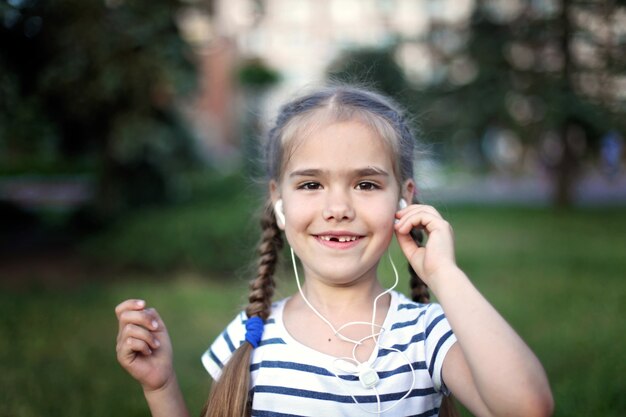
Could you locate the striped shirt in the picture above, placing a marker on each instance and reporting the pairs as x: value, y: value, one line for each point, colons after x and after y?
x: 291, y: 379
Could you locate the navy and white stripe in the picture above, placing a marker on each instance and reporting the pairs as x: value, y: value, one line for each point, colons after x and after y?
x: 290, y: 379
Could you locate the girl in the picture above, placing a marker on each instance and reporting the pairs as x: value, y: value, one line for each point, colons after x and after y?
x: 340, y: 172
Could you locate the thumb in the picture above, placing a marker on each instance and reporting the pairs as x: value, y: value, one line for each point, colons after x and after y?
x: 411, y: 250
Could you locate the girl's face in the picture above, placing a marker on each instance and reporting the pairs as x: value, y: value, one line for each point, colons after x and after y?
x: 340, y: 196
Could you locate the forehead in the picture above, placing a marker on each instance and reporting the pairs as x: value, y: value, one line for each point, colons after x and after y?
x: 339, y: 145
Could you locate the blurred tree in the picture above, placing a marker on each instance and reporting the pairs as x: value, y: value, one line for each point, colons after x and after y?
x: 256, y: 78
x: 375, y: 68
x: 544, y: 72
x: 96, y: 81
x: 255, y: 74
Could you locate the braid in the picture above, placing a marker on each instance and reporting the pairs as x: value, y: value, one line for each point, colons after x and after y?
x: 262, y: 287
x: 229, y: 395
x: 419, y: 290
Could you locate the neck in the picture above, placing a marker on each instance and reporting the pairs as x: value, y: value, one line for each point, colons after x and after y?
x: 348, y: 311
x: 353, y: 306
x: 329, y: 299
x: 337, y: 304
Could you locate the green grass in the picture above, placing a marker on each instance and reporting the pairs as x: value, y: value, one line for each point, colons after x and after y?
x: 209, y: 230
x: 557, y: 277
x: 57, y: 348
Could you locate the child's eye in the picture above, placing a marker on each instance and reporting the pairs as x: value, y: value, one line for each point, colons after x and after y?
x: 311, y: 185
x: 367, y: 185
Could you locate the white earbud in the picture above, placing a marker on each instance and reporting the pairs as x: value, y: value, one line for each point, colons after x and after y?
x: 278, y: 211
x: 401, y: 204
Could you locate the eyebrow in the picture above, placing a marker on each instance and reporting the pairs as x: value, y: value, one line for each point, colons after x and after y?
x: 369, y: 171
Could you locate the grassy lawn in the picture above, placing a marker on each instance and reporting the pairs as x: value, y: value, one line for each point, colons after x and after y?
x: 557, y: 277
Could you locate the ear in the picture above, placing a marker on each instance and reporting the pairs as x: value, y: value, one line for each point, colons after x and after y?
x: 274, y: 191
x: 408, y: 190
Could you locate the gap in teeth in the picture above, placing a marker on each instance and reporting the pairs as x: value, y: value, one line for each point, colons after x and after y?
x: 339, y: 239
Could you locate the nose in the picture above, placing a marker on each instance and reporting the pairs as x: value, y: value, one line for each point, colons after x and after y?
x: 338, y: 207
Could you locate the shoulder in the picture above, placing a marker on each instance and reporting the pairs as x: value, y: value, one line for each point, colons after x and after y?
x: 428, y: 318
x: 233, y: 336
x: 402, y: 308
x: 404, y: 303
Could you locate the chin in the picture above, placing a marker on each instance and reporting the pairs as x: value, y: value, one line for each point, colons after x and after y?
x: 345, y: 277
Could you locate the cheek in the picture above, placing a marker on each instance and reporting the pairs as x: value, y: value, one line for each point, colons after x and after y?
x: 380, y: 220
x: 386, y: 229
x: 383, y: 212
x: 298, y: 215
x: 296, y: 229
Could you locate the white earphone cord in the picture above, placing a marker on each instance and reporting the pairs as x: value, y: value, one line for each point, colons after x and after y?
x: 374, y: 336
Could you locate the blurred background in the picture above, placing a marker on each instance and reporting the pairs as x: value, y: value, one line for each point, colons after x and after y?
x: 129, y: 166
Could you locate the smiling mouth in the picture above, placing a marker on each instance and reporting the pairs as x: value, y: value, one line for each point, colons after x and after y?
x: 341, y: 239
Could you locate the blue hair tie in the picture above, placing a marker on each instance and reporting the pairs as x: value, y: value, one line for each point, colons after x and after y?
x: 254, y: 330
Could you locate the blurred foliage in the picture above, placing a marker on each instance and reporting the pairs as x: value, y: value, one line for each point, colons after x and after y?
x: 256, y: 78
x: 377, y: 69
x: 371, y: 67
x: 531, y: 71
x: 534, y: 70
x: 213, y: 230
x: 254, y: 73
x: 95, y: 81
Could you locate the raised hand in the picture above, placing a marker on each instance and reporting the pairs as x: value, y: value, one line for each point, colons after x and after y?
x: 438, y: 252
x: 143, y: 345
x: 490, y: 369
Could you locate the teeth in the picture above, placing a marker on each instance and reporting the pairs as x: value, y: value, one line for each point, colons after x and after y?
x: 339, y: 238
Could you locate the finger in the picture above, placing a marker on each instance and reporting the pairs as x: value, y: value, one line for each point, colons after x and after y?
x: 131, y: 347
x: 147, y: 318
x: 407, y: 244
x: 432, y: 224
x: 413, y: 253
x: 419, y: 218
x: 132, y: 304
x: 138, y: 332
x: 409, y: 214
x: 418, y: 207
x: 160, y: 324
